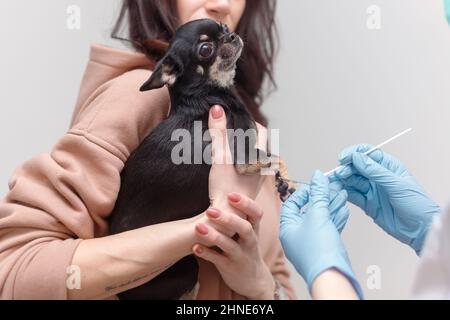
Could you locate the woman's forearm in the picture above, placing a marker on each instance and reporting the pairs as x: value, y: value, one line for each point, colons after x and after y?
x: 117, y: 263
x: 333, y: 285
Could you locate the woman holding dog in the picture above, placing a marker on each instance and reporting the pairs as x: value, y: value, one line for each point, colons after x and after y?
x: 54, y: 242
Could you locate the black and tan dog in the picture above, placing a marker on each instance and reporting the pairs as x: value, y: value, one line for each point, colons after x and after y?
x: 199, y: 70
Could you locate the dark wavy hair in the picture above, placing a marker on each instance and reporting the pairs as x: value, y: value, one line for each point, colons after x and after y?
x: 152, y: 23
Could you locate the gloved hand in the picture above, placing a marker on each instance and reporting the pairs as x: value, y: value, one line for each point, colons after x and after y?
x: 381, y: 186
x: 311, y: 239
x: 447, y: 10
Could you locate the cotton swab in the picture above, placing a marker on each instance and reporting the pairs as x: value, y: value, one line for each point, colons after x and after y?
x: 329, y: 173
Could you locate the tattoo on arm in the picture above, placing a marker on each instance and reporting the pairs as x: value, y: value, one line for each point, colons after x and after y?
x: 134, y: 280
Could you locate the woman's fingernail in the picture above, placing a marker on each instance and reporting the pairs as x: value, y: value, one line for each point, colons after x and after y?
x: 234, y: 197
x: 199, y: 250
x: 217, y: 112
x: 213, y: 213
x: 202, y: 229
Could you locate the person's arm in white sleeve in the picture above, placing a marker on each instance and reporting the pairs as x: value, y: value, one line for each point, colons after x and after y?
x: 432, y: 279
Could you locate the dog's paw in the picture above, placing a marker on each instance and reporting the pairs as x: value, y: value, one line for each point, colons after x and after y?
x: 284, y: 187
x: 263, y: 162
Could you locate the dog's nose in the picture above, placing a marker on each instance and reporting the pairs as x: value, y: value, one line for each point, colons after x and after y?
x: 231, y: 37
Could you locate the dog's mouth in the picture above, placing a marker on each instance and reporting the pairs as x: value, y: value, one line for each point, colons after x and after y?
x: 230, y: 52
x: 223, y: 70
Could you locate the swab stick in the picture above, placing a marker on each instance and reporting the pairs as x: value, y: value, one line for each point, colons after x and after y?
x: 329, y: 173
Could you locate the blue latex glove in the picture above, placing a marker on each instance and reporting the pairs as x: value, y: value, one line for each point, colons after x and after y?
x: 381, y: 186
x: 311, y: 239
x: 447, y: 9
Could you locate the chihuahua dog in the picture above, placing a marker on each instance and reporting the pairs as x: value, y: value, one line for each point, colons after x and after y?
x: 198, y: 69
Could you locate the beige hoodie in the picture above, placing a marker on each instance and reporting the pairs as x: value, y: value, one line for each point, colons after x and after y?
x: 57, y: 199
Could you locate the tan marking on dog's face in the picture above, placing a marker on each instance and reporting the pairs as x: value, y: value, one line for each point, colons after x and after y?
x: 200, y: 70
x: 223, y: 70
x: 204, y: 37
x: 223, y: 78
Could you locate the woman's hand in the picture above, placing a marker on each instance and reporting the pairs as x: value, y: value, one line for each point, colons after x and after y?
x: 238, y: 259
x: 223, y: 177
x: 232, y: 223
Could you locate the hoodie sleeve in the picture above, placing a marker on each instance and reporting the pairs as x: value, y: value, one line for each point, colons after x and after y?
x: 55, y: 200
x: 282, y: 275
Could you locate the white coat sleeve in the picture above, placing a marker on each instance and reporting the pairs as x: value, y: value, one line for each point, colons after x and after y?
x: 432, y: 279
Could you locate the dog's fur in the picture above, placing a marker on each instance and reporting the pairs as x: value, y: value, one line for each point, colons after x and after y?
x: 154, y: 190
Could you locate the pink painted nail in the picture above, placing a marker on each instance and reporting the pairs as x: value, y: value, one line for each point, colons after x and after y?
x: 199, y: 250
x: 217, y: 112
x: 202, y: 229
x: 234, y: 197
x: 213, y: 213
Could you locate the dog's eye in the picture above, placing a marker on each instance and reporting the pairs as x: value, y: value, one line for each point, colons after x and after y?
x: 205, y: 50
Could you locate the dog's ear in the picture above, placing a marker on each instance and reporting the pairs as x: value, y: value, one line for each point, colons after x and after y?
x: 166, y: 73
